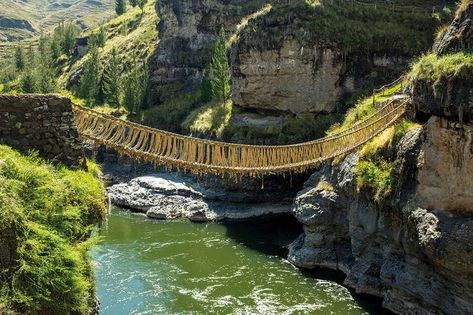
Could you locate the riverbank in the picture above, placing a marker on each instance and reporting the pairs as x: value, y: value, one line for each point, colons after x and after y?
x: 46, y: 218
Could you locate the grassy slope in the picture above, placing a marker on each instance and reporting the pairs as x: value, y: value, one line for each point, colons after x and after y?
x: 132, y: 35
x: 45, y: 223
x: 45, y: 14
x: 432, y: 67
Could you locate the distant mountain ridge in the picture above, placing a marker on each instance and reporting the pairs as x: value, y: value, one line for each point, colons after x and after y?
x: 22, y: 19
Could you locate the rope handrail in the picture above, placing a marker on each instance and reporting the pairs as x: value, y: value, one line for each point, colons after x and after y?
x: 206, y: 156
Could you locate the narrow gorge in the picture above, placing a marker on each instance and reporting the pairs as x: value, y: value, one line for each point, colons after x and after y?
x: 239, y: 157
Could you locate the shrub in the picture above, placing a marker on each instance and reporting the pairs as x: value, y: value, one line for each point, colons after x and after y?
x: 46, y: 217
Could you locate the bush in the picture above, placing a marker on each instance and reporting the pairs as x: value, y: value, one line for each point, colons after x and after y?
x: 45, y: 223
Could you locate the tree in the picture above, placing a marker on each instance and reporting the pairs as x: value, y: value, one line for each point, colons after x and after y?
x: 120, y: 7
x: 133, y: 3
x: 70, y: 32
x: 206, y: 88
x: 20, y: 58
x: 29, y: 82
x: 111, y: 80
x: 220, y: 70
x: 141, y: 4
x: 90, y: 81
x: 98, y: 38
x: 136, y: 86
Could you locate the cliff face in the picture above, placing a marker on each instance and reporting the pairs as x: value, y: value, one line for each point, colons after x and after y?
x: 187, y: 32
x: 414, y: 247
x: 295, y: 57
x: 459, y: 35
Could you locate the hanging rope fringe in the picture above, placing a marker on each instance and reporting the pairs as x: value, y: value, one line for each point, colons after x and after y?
x: 201, y: 156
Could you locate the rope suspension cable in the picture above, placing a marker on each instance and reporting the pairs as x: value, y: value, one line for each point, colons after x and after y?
x: 201, y: 156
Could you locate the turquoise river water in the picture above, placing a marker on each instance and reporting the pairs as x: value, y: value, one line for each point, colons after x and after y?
x: 145, y: 266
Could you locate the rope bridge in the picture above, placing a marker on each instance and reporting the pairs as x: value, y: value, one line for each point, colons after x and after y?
x: 201, y: 156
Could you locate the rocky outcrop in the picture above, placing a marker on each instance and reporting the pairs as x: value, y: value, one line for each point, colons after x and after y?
x: 294, y: 78
x: 448, y: 96
x: 446, y: 167
x: 170, y: 196
x: 459, y: 35
x: 413, y: 251
x: 187, y: 33
x: 42, y: 123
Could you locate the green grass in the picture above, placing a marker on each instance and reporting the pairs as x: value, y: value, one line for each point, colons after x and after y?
x: 131, y: 34
x: 169, y: 114
x: 377, y: 162
x: 210, y: 119
x: 432, y: 67
x: 363, y: 109
x: 46, y: 221
x: 350, y: 29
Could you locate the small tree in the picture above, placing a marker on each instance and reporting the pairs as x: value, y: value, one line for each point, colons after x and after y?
x: 98, y: 38
x: 220, y: 70
x: 111, y: 80
x: 141, y: 4
x: 133, y: 3
x: 29, y: 82
x: 120, y: 7
x: 136, y: 87
x: 90, y: 81
x: 20, y: 58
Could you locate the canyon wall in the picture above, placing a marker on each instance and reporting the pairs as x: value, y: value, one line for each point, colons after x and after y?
x: 42, y: 123
x: 284, y: 58
x: 413, y: 246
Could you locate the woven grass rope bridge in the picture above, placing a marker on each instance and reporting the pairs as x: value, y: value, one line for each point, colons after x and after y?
x: 201, y: 156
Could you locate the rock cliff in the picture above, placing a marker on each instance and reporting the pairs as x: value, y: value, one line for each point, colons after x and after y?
x: 296, y: 57
x: 414, y: 246
x: 187, y: 33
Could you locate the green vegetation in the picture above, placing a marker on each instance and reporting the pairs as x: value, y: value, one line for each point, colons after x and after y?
x: 89, y: 87
x: 46, y: 217
x: 124, y: 44
x: 377, y: 160
x: 169, y: 113
x: 120, y: 7
x: 363, y: 109
x: 220, y: 70
x: 136, y: 87
x: 210, y: 119
x: 352, y: 28
x: 432, y: 67
x: 112, y: 84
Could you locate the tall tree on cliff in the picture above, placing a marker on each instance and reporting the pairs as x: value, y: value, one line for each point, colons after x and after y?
x: 120, y: 7
x: 111, y: 80
x: 90, y: 81
x: 220, y: 69
x: 136, y: 86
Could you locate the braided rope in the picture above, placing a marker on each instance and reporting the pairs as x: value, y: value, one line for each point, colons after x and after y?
x: 202, y: 156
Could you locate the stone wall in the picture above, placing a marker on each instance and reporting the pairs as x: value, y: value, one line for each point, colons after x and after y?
x: 42, y: 123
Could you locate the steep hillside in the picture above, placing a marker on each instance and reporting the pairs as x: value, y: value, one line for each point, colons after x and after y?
x: 24, y: 19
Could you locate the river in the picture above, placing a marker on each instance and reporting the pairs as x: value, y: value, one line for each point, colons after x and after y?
x: 145, y: 266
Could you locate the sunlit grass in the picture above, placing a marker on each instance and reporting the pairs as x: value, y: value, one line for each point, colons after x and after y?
x: 432, y: 67
x: 210, y: 119
x: 363, y: 109
x: 47, y: 213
